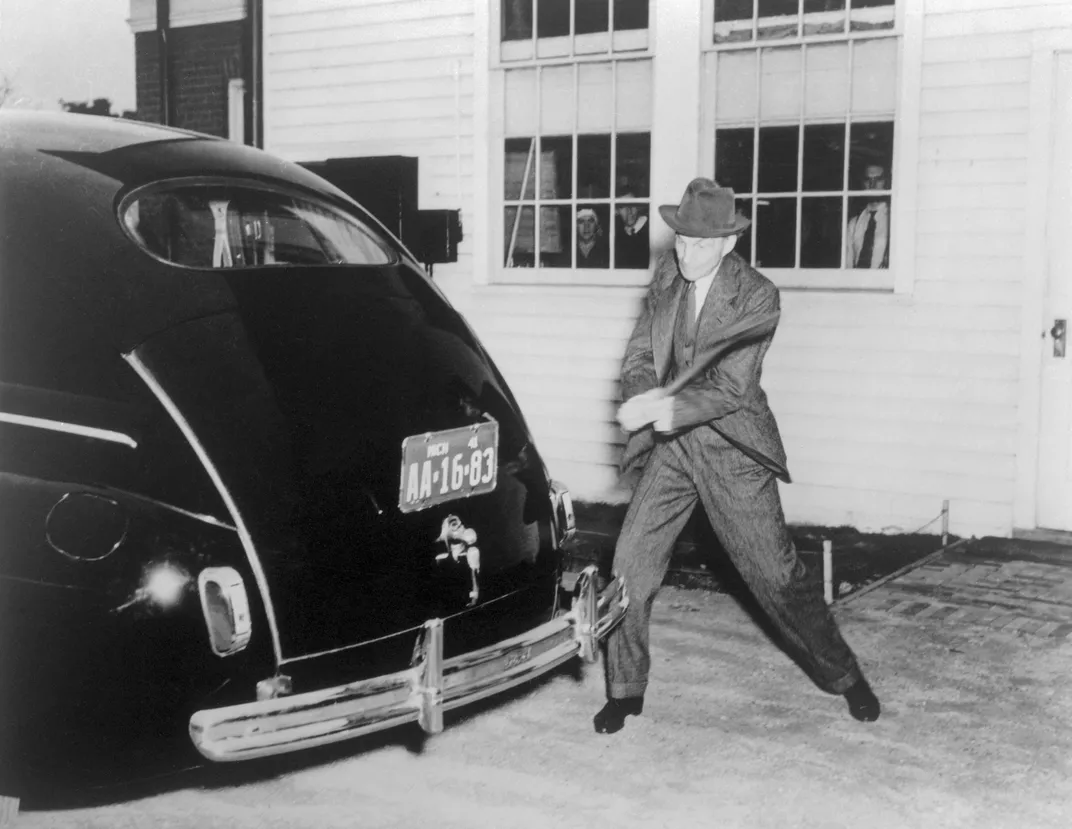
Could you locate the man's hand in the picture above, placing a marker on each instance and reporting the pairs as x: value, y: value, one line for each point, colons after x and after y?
x: 649, y: 407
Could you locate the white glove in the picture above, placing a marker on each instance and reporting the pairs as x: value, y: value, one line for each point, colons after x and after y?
x: 637, y: 412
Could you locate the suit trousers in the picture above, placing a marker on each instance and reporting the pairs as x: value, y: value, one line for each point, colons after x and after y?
x: 742, y: 502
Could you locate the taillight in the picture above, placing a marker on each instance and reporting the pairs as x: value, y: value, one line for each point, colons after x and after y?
x: 562, y: 508
x: 226, y: 608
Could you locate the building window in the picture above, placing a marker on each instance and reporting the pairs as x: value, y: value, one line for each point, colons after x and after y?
x: 576, y: 136
x: 570, y: 27
x: 577, y: 163
x: 805, y: 95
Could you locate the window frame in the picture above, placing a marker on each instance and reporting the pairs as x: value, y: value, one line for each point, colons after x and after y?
x: 495, y: 203
x: 898, y: 277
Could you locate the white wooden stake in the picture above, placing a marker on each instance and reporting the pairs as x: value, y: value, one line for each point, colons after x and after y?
x: 828, y: 570
x: 945, y: 523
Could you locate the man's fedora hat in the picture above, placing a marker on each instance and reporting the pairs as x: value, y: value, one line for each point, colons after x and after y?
x: 706, y: 210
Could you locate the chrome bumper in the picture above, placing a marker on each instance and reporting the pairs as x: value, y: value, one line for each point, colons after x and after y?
x: 421, y: 693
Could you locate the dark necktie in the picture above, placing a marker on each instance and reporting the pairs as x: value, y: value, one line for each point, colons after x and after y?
x: 868, y: 244
x: 690, y: 309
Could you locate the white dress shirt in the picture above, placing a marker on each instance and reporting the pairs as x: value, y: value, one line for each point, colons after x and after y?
x: 858, y: 227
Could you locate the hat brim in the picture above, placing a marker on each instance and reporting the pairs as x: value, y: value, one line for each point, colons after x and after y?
x: 669, y: 214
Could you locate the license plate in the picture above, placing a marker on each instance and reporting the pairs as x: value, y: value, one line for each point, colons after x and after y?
x: 444, y: 466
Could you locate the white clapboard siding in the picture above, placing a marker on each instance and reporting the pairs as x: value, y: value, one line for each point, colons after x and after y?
x: 883, y: 510
x: 969, y: 76
x: 888, y: 404
x: 318, y: 15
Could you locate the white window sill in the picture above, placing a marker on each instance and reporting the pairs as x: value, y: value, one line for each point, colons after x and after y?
x: 817, y: 279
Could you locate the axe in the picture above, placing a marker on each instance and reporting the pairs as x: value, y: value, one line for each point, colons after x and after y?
x: 726, y: 339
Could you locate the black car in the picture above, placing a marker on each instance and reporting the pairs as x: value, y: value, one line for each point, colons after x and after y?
x: 261, y: 487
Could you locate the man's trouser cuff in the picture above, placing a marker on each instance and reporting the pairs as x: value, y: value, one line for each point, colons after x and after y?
x: 624, y: 690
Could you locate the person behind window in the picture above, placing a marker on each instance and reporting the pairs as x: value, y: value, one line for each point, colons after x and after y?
x: 631, y: 235
x: 592, y: 248
x: 868, y: 237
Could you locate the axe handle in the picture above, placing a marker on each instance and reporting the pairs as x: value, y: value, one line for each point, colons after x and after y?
x: 726, y: 339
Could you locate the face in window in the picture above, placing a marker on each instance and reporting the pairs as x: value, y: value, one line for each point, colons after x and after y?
x: 629, y: 213
x: 875, y: 177
x: 697, y: 256
x: 587, y: 226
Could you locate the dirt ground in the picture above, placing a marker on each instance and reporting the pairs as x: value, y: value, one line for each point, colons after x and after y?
x: 976, y: 732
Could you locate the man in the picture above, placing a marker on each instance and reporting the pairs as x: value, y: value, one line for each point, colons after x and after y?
x: 715, y: 442
x: 592, y: 248
x: 631, y: 236
x: 867, y: 239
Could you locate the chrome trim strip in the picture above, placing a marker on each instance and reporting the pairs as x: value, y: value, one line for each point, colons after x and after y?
x: 421, y: 693
x: 259, y: 576
x: 331, y: 651
x: 69, y: 428
x: 196, y: 516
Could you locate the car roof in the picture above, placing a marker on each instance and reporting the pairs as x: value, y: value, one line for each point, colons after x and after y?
x: 43, y: 130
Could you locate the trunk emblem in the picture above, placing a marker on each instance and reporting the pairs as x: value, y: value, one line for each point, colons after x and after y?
x: 460, y: 543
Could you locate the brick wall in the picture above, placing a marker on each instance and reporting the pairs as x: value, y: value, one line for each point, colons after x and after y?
x: 203, y: 60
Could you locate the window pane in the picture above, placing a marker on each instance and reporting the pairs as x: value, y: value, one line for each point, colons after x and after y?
x: 552, y: 18
x: 824, y: 157
x: 630, y: 14
x: 734, y: 151
x: 777, y: 159
x: 744, y: 240
x: 634, y: 165
x: 520, y: 102
x: 593, y: 166
x: 631, y: 249
x: 556, y: 99
x: 826, y: 80
x: 777, y: 19
x: 733, y: 20
x: 556, y: 236
x: 516, y: 19
x: 823, y: 17
x: 776, y: 229
x: 868, y: 15
x: 595, y: 101
x: 593, y: 246
x: 735, y: 96
x: 867, y: 237
x: 871, y: 155
x: 820, y: 232
x: 556, y: 167
x: 779, y: 95
x: 591, y: 16
x: 519, y: 234
x: 634, y: 95
x: 520, y: 159
x: 874, y: 76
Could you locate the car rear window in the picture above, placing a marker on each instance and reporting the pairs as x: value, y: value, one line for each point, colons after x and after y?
x: 233, y: 224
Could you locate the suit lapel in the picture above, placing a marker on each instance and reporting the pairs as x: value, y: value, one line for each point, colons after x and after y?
x: 720, y: 306
x: 662, y: 325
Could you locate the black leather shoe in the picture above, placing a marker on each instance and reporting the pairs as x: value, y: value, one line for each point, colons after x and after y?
x: 863, y: 704
x: 611, y: 717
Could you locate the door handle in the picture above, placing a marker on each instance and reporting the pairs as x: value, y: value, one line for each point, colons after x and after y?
x: 1059, y: 332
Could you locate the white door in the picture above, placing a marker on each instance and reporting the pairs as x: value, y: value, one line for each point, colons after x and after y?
x: 1055, y: 427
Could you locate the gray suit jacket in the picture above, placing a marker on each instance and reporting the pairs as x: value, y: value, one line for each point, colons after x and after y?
x: 727, y: 397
